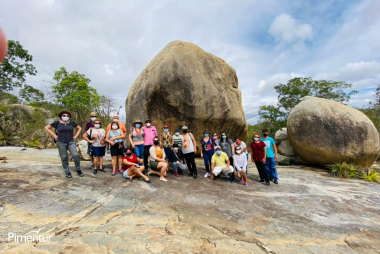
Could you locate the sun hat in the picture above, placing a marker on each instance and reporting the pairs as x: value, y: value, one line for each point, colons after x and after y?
x: 137, y: 121
x: 93, y: 114
x: 64, y: 112
x: 217, y: 147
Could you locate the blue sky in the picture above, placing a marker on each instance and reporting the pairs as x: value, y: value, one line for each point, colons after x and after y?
x: 267, y: 42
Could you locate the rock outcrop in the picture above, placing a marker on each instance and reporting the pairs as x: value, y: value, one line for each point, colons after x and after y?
x: 323, y: 132
x: 82, y: 150
x: 185, y: 85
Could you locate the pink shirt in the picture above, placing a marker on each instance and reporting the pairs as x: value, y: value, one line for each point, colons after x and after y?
x: 149, y: 134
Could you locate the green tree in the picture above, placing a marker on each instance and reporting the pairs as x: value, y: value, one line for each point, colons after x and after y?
x: 372, y: 111
x: 272, y: 118
x: 289, y: 94
x: 31, y: 94
x: 15, y: 66
x: 72, y: 91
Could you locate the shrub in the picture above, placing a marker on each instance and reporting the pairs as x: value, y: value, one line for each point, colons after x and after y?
x: 285, y: 162
x: 371, y: 175
x: 346, y: 170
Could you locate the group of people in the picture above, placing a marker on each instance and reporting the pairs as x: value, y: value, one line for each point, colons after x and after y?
x: 159, y: 152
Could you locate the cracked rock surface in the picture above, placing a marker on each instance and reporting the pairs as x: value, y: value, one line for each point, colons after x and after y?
x: 308, y: 212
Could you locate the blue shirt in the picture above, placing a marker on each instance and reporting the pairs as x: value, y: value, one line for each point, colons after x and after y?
x: 269, y: 142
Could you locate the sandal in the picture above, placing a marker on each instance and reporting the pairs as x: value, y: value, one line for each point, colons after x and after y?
x: 147, y: 181
x: 128, y: 178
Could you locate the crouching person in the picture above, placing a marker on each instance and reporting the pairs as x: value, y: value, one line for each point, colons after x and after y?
x: 133, y: 166
x: 175, y: 159
x: 220, y: 163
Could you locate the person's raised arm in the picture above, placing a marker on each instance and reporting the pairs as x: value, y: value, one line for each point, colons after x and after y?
x: 48, y: 129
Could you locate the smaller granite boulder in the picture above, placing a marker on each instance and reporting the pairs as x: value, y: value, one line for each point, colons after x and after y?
x: 82, y: 150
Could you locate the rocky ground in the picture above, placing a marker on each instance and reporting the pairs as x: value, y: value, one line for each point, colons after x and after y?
x: 308, y: 212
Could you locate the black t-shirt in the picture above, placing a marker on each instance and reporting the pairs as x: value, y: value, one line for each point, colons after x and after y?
x: 65, y: 131
x: 172, y: 156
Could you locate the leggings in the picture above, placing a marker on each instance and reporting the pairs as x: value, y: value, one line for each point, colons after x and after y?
x: 207, y: 155
x: 190, y: 161
x: 262, y: 171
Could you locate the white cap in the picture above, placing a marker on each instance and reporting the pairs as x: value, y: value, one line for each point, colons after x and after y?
x: 217, y: 147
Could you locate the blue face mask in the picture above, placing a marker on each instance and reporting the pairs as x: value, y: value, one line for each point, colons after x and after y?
x: 218, y: 152
x: 166, y: 130
x: 138, y: 125
x: 224, y: 136
x: 207, y: 134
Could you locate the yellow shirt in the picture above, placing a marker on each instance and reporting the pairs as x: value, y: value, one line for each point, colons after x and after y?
x: 159, y: 153
x: 219, y: 160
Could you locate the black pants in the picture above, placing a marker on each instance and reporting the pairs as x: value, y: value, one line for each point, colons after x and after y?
x: 190, y: 161
x: 262, y: 171
x: 146, y: 155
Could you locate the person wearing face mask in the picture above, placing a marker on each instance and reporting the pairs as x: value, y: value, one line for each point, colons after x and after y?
x: 272, y: 156
x: 175, y: 158
x: 65, y: 139
x: 115, y: 137
x: 177, y: 139
x: 89, y: 125
x: 166, y: 140
x: 240, y: 163
x: 228, y: 147
x: 243, y: 147
x: 133, y: 166
x: 121, y: 126
x: 149, y: 133
x: 136, y: 139
x: 97, y: 135
x: 207, y: 151
x: 220, y: 163
x: 157, y: 162
x: 215, y: 139
x: 189, y: 149
x: 258, y: 156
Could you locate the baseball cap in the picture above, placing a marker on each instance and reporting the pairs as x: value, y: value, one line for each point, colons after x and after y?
x: 217, y: 147
x: 184, y: 128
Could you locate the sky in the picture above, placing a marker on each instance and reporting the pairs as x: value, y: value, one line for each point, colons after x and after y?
x: 266, y: 42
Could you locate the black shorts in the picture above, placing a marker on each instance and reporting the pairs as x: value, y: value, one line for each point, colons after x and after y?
x: 116, y: 151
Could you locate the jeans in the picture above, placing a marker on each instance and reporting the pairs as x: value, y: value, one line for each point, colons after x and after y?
x: 175, y: 166
x: 190, y: 161
x: 146, y: 155
x: 207, y: 155
x: 139, y: 151
x: 246, y: 171
x: 262, y: 171
x: 62, y: 149
x: 270, y: 164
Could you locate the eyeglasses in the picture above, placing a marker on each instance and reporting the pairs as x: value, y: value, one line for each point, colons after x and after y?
x: 65, y: 115
x: 147, y: 121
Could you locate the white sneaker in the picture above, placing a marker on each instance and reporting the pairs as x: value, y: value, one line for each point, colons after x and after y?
x: 207, y: 175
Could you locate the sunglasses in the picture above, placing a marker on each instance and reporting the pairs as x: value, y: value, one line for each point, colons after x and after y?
x: 65, y: 115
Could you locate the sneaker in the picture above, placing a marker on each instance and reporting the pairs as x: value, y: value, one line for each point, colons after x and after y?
x: 190, y: 174
x: 246, y: 184
x: 176, y: 174
x: 95, y: 171
x: 113, y: 173
x: 241, y: 180
x: 267, y: 184
x: 261, y: 181
x: 207, y: 175
x: 121, y: 171
x: 102, y: 170
x: 68, y: 175
x: 275, y: 181
x: 80, y: 173
x: 195, y: 176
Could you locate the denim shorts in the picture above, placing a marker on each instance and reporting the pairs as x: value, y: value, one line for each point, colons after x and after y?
x: 99, y: 151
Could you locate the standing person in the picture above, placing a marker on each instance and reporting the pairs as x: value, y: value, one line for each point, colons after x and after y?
x: 215, y: 138
x: 189, y: 149
x: 166, y: 140
x: 149, y: 133
x: 89, y: 125
x: 228, y: 147
x: 121, y: 125
x: 175, y: 158
x: 115, y: 137
x: 157, y: 162
x: 258, y: 156
x: 240, y: 163
x: 221, y: 164
x: 243, y: 147
x: 97, y: 135
x: 207, y: 150
x: 133, y: 166
x: 272, y: 156
x: 136, y: 139
x: 177, y: 139
x: 65, y: 139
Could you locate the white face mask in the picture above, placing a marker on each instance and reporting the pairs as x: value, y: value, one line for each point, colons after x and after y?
x: 238, y: 151
x: 175, y: 148
x: 115, y: 127
x: 115, y: 120
x: 65, y: 118
x: 256, y: 139
x: 97, y: 125
x: 93, y: 118
x: 177, y: 133
x: 148, y: 124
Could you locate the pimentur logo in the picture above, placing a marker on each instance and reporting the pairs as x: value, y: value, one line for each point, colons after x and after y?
x: 29, y: 238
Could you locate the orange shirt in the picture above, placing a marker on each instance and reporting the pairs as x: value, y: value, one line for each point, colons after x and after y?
x: 121, y: 125
x: 159, y: 153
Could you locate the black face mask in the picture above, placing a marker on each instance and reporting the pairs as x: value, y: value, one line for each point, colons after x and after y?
x: 156, y: 143
x: 265, y: 135
x: 184, y: 131
x: 129, y: 154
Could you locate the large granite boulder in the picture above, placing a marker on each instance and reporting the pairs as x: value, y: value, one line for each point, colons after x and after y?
x: 323, y: 132
x: 82, y: 150
x: 185, y: 85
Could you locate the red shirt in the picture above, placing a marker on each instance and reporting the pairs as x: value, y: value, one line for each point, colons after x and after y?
x: 134, y: 160
x: 258, y: 150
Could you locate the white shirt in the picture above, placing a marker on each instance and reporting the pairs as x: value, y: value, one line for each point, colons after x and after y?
x: 242, y: 145
x: 240, y: 161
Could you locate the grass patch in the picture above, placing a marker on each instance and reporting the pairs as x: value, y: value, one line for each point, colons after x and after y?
x: 349, y: 170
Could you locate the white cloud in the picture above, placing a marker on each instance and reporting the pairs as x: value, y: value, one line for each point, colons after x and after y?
x: 266, y: 87
x: 288, y: 30
x: 359, y: 70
